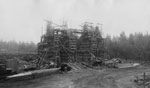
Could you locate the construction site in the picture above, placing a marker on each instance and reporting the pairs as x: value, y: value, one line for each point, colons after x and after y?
x: 72, y: 58
x: 66, y: 45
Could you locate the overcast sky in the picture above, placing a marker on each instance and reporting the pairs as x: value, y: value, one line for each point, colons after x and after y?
x: 23, y: 20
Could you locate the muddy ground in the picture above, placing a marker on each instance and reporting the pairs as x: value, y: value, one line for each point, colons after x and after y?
x: 83, y: 78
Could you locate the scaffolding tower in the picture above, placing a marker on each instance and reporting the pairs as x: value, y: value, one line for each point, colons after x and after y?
x: 65, y: 45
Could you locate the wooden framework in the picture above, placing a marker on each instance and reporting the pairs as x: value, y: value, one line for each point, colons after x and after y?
x: 71, y: 45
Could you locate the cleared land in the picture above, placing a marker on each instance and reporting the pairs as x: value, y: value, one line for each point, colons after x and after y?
x: 83, y: 78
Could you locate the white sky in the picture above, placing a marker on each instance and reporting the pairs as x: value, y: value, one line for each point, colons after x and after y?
x: 22, y: 20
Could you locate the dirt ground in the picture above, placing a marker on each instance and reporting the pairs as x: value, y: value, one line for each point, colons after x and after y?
x: 83, y: 78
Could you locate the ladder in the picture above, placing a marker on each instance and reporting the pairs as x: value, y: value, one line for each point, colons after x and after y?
x: 56, y: 47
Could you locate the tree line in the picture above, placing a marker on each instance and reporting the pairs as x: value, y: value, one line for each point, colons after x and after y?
x: 17, y: 47
x: 134, y: 47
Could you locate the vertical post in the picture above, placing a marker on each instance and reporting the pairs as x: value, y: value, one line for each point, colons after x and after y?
x: 144, y: 81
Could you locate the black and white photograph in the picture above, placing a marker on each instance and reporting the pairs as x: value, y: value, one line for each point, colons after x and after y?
x: 74, y: 43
